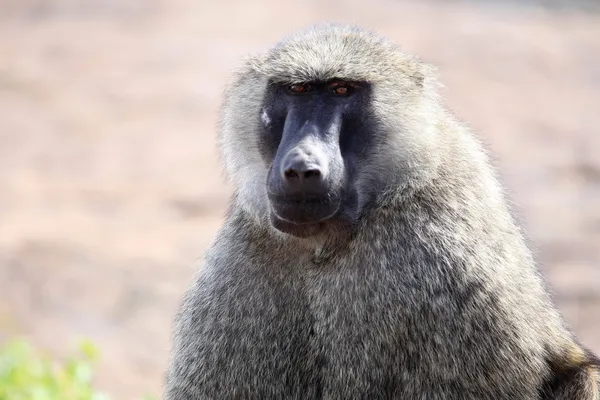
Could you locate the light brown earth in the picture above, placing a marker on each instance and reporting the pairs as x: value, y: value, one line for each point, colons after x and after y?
x: 109, y: 182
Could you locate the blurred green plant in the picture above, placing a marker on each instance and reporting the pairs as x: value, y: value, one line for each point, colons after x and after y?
x: 27, y: 374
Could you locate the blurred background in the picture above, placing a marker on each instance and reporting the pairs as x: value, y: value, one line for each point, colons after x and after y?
x: 110, y: 186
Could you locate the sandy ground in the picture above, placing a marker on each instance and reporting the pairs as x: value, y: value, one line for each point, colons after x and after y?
x: 109, y: 180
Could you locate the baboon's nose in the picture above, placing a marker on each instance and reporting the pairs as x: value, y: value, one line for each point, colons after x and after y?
x: 303, y: 172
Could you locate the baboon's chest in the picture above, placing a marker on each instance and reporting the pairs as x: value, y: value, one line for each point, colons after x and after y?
x: 353, y: 333
x: 382, y: 335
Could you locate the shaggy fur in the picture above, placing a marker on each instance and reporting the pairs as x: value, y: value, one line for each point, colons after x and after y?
x: 432, y: 294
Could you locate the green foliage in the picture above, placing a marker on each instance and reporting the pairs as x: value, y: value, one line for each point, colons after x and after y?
x: 26, y: 374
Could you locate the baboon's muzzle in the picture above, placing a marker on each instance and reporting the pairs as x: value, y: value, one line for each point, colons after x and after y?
x: 305, y: 179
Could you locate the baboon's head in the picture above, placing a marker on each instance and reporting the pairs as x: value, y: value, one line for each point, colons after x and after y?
x: 315, y: 129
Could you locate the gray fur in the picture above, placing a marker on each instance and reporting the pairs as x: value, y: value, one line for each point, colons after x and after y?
x: 433, y: 295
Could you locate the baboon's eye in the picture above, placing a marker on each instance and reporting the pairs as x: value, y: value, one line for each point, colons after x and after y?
x: 299, y: 88
x: 340, y: 88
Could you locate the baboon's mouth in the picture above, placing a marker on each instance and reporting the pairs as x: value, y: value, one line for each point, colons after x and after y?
x: 302, y: 210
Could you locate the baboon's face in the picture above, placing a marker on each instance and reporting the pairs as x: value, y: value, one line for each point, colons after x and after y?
x: 315, y: 135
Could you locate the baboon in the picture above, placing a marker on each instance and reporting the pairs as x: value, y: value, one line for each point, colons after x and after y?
x: 368, y: 252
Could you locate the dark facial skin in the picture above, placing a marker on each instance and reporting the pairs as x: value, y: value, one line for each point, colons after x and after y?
x: 315, y: 135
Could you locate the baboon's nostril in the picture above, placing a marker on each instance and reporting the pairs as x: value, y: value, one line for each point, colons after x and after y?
x: 291, y: 173
x: 312, y: 173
